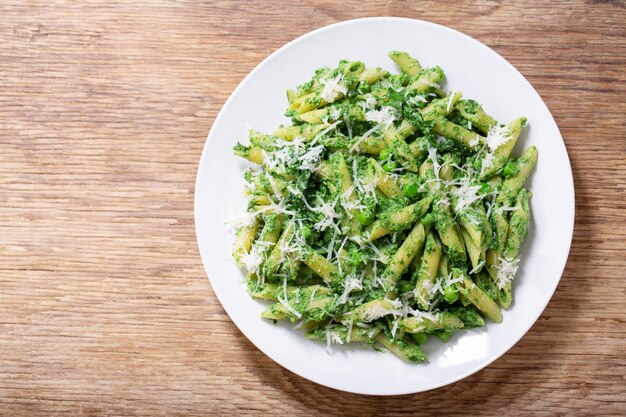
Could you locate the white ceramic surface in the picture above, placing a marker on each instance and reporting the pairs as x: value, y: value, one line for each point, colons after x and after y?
x: 471, y: 67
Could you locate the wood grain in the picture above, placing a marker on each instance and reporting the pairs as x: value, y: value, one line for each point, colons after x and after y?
x: 105, y: 308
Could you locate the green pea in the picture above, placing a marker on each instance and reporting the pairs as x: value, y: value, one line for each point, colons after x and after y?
x: 390, y: 166
x: 485, y: 188
x: 510, y: 169
x: 420, y: 338
x: 365, y: 218
x: 410, y: 190
x: 450, y: 294
x: 384, y: 154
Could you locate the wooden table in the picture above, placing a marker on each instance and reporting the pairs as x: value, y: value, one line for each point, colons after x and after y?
x: 105, y: 308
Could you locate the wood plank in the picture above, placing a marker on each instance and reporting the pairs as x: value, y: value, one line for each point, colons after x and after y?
x: 105, y: 306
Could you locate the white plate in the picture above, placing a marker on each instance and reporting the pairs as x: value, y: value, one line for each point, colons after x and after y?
x: 259, y: 102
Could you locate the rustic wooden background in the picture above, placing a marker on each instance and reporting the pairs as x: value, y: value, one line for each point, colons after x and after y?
x: 105, y: 308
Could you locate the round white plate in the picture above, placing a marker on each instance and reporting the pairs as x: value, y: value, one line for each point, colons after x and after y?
x: 471, y: 67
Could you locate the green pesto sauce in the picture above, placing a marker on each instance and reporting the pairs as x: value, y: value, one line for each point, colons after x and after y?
x: 327, y: 216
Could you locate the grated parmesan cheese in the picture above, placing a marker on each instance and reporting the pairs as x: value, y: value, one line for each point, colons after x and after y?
x: 349, y: 336
x: 394, y: 328
x: 311, y: 158
x: 348, y: 125
x: 380, y: 257
x: 492, y: 203
x: 350, y: 284
x: 487, y: 163
x: 432, y: 154
x: 297, y: 142
x: 449, y: 281
x: 291, y: 246
x: 365, y: 135
x: 288, y: 307
x: 477, y: 267
x: 332, y: 88
x: 449, y: 105
x: 385, y: 116
x: 430, y: 84
x: 329, y: 248
x: 422, y: 316
x: 465, y: 193
x: 415, y: 100
x: 251, y: 261
x: 376, y: 311
x: 327, y: 209
x: 239, y: 220
x: 497, y: 136
x: 505, y: 271
x: 280, y: 208
x: 502, y: 209
x: 332, y: 337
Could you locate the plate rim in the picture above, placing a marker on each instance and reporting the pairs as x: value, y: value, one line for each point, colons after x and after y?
x: 251, y: 74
